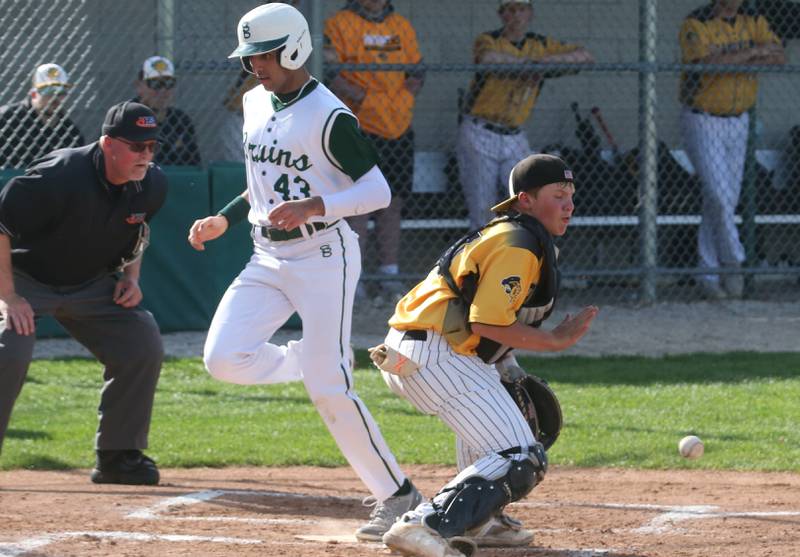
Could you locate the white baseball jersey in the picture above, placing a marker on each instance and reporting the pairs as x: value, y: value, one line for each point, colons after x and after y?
x: 289, y: 150
x: 295, y: 140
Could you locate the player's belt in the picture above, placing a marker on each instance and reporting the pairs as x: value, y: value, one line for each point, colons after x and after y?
x: 496, y: 128
x: 698, y: 111
x: 279, y: 235
x: 415, y: 334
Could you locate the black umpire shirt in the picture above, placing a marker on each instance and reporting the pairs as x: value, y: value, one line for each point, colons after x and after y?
x: 67, y: 224
x: 25, y: 136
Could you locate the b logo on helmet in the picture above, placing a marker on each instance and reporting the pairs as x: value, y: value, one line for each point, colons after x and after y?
x: 246, y: 30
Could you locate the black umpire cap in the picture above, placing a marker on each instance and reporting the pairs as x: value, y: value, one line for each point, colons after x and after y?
x: 132, y: 121
x: 531, y: 173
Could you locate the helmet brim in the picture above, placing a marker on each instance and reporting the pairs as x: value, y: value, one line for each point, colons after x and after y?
x: 251, y: 49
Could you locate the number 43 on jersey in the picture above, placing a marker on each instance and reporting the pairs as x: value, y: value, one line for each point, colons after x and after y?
x: 282, y: 187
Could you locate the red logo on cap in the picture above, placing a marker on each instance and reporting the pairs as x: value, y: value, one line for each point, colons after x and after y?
x: 146, y: 121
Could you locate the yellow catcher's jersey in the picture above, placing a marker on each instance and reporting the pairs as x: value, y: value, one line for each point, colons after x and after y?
x: 500, y: 97
x: 387, y: 107
x: 499, y: 271
x: 701, y: 35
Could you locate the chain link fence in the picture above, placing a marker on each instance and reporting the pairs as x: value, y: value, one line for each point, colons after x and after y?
x: 688, y: 176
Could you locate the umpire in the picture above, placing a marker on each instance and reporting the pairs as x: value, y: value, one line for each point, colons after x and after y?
x: 72, y: 231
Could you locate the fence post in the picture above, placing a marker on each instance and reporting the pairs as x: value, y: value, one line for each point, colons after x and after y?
x: 317, y: 42
x: 648, y: 149
x: 165, y: 41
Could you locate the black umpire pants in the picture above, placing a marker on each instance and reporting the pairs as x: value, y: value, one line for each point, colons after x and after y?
x: 125, y: 340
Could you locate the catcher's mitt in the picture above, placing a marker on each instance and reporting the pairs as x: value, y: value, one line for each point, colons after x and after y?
x: 539, y: 405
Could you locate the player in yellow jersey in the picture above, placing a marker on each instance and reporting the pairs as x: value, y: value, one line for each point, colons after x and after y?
x: 488, y: 294
x: 371, y: 32
x: 490, y: 137
x: 715, y: 123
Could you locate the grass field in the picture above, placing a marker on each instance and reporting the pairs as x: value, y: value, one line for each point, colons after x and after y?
x: 624, y: 412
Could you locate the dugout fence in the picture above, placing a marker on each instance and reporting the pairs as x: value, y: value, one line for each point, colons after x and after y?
x: 617, y: 121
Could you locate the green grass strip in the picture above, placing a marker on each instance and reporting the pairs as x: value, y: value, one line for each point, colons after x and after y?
x: 618, y: 411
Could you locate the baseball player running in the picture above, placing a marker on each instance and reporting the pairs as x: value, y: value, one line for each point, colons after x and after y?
x: 714, y: 121
x: 489, y: 293
x: 308, y: 165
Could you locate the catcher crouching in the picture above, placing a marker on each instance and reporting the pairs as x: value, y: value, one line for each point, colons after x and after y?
x: 449, y: 353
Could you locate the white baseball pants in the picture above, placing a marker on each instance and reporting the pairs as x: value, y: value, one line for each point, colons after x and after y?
x: 316, y: 277
x: 485, y: 160
x: 717, y: 148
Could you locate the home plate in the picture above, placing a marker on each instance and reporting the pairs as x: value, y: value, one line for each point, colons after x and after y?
x: 334, y: 538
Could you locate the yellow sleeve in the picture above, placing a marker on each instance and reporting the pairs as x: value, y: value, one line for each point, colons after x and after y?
x: 483, y: 44
x: 694, y: 41
x: 503, y: 285
x: 334, y: 36
x: 410, y: 44
x: 764, y: 33
x: 552, y: 46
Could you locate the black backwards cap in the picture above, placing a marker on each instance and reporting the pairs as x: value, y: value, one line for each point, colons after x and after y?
x: 532, y: 173
x: 132, y: 121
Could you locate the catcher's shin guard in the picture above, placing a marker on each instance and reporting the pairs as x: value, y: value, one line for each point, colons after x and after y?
x: 476, y: 499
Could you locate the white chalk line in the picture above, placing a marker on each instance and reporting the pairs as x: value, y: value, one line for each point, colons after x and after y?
x: 671, y: 514
x: 31, y: 544
x: 154, y: 512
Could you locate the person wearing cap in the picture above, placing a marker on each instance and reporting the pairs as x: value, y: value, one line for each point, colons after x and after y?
x: 72, y: 232
x: 372, y: 32
x: 455, y: 333
x: 37, y: 125
x: 155, y: 88
x: 498, y: 102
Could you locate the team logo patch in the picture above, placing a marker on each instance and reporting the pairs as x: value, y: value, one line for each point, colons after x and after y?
x: 159, y: 65
x: 513, y: 287
x: 136, y: 218
x: 568, y: 175
x: 52, y: 73
x: 146, y: 121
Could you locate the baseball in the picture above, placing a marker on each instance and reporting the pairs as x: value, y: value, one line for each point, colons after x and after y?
x: 691, y: 447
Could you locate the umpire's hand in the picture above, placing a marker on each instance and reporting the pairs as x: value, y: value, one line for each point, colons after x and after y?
x: 17, y: 314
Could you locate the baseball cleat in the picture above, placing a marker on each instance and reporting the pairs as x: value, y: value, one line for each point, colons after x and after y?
x: 386, y: 513
x: 500, y: 531
x: 129, y: 467
x: 412, y: 539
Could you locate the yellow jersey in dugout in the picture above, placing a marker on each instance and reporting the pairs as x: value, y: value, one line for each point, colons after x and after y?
x: 505, y: 272
x: 387, y: 108
x: 502, y: 97
x: 701, y: 35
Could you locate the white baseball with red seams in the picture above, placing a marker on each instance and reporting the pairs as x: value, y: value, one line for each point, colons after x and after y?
x: 691, y: 447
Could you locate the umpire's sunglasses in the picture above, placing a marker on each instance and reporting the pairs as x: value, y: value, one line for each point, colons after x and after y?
x: 158, y: 83
x: 140, y: 146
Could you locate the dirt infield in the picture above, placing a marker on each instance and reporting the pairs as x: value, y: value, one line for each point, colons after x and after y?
x: 312, y: 512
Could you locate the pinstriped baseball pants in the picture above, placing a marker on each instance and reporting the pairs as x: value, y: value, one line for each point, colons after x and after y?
x: 466, y: 394
x: 717, y: 148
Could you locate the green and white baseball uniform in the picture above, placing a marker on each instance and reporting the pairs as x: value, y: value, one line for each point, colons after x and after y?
x: 299, y: 145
